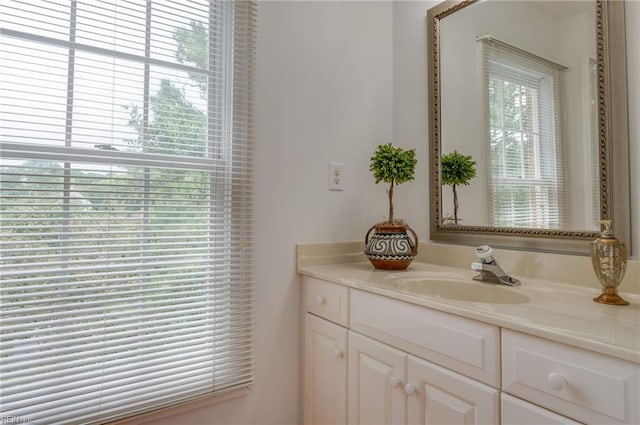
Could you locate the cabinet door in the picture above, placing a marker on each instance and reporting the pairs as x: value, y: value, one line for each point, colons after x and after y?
x: 325, y: 378
x: 520, y: 412
x: 376, y: 381
x: 439, y: 396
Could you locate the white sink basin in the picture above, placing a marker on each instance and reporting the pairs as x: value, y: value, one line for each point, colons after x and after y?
x: 455, y: 287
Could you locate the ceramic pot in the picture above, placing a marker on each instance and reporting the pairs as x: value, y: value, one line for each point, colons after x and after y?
x: 390, y: 247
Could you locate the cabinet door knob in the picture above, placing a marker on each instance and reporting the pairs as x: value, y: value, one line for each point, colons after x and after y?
x: 395, y: 382
x: 410, y: 389
x: 337, y: 353
x: 556, y: 381
x: 320, y: 299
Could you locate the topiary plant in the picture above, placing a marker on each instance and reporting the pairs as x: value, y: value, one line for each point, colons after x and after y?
x: 395, y: 166
x: 457, y: 169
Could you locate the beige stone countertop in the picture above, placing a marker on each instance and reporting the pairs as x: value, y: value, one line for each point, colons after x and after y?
x: 557, y: 311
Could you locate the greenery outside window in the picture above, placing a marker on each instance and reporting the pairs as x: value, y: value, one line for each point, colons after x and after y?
x: 126, y: 212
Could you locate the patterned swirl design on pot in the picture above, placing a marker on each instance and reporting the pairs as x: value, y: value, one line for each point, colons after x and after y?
x: 391, y: 245
x: 396, y: 245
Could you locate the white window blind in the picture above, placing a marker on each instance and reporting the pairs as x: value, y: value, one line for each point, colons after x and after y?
x: 126, y: 205
x: 526, y: 166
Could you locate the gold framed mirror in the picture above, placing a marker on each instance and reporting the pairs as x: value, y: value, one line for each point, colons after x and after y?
x: 498, y: 200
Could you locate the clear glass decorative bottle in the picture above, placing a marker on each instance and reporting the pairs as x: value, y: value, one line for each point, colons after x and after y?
x: 609, y: 259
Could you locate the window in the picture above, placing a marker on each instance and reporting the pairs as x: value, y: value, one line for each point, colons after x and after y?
x: 526, y: 177
x: 126, y: 212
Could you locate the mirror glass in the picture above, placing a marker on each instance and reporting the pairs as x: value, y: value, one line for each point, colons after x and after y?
x: 518, y: 121
x: 520, y: 83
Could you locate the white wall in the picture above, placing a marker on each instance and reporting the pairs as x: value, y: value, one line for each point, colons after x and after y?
x: 410, y: 120
x: 410, y: 104
x: 324, y: 92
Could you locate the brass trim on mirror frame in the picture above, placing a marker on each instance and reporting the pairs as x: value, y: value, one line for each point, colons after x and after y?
x: 613, y: 140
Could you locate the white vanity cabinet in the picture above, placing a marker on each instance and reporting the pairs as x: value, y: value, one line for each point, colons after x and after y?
x: 389, y: 386
x: 386, y: 384
x: 371, y: 358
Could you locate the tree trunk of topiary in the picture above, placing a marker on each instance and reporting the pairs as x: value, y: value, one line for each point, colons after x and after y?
x: 390, y: 193
x: 455, y: 205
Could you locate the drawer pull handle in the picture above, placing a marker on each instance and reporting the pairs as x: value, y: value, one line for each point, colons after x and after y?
x: 556, y: 381
x: 410, y: 389
x: 320, y: 300
x: 395, y: 382
x: 337, y: 353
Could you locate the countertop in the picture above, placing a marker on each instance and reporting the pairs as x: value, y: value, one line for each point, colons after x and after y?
x: 556, y: 311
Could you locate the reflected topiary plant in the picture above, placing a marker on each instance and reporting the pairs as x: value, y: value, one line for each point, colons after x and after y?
x: 457, y: 169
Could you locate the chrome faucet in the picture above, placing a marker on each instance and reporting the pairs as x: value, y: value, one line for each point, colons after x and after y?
x: 489, y: 269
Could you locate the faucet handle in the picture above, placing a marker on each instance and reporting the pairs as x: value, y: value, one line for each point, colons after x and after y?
x: 476, y: 266
x: 484, y: 252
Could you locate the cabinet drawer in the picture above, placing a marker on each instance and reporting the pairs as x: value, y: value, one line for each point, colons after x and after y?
x: 519, y: 412
x: 586, y: 386
x: 463, y: 345
x: 327, y: 300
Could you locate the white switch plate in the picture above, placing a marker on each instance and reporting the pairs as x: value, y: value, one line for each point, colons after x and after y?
x: 336, y: 170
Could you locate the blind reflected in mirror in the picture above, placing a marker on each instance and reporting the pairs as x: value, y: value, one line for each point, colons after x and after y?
x: 525, y: 95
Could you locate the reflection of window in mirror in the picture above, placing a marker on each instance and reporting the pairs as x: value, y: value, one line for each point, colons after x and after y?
x: 525, y: 166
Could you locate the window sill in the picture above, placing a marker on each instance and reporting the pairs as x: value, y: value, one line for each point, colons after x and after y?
x: 186, y: 406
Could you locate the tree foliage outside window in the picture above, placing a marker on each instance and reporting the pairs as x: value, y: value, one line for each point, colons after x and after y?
x: 177, y: 126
